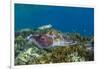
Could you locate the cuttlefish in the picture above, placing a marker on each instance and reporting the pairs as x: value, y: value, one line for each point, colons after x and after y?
x: 44, y: 41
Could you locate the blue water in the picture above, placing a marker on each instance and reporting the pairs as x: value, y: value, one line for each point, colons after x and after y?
x: 65, y: 19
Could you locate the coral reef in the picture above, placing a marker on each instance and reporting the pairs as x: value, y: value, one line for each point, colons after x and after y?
x: 27, y: 52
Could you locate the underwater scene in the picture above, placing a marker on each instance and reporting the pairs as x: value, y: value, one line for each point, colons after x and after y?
x: 47, y: 34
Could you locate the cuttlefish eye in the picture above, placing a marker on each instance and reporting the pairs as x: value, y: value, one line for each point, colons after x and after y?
x: 42, y: 38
